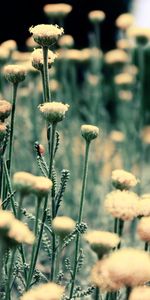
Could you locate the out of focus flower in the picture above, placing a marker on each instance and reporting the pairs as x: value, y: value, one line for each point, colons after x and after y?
x: 117, y: 136
x: 96, y: 16
x: 63, y: 225
x: 123, y: 180
x: 116, y: 56
x: 144, y: 205
x: 143, y: 229
x: 141, y: 35
x: 66, y: 41
x: 14, y: 73
x: 47, y: 291
x: 101, y: 242
x: 57, y: 10
x: 124, y: 21
x: 122, y: 204
x: 5, y: 109
x: 145, y: 135
x: 140, y: 293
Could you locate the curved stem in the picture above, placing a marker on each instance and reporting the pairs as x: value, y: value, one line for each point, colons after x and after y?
x: 15, y: 86
x: 46, y: 75
x: 85, y: 170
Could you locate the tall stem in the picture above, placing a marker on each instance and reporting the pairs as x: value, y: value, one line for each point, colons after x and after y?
x: 32, y: 264
x: 97, y: 293
x: 146, y: 246
x: 46, y: 75
x: 10, y: 275
x: 85, y: 171
x: 15, y: 86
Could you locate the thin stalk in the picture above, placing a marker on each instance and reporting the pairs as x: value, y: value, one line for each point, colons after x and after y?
x: 116, y: 225
x: 9, y: 186
x: 59, y: 251
x: 85, y: 171
x: 46, y: 75
x: 128, y: 292
x: 97, y: 34
x: 97, y: 293
x: 15, y: 86
x: 19, y: 207
x: 1, y: 174
x: 146, y: 246
x: 32, y: 264
x: 43, y: 85
x: 7, y: 296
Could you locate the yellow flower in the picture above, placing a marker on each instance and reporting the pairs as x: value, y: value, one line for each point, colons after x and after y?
x: 140, y: 293
x: 96, y: 16
x: 144, y: 205
x: 10, y: 45
x: 57, y: 10
x: 89, y: 132
x: 66, y: 41
x: 117, y: 136
x: 124, y: 21
x: 45, y: 34
x: 37, y: 59
x: 63, y: 225
x: 122, y: 204
x: 15, y: 73
x: 141, y: 35
x: 47, y: 291
x: 145, y: 135
x: 53, y: 112
x: 5, y: 109
x: 124, y: 79
x: 20, y: 233
x: 123, y: 180
x: 143, y: 229
x: 116, y: 56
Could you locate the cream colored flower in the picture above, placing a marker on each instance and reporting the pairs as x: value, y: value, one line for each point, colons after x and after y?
x: 70, y: 54
x: 10, y: 45
x: 125, y: 267
x: 57, y: 10
x: 123, y: 180
x: 53, y: 112
x: 140, y: 34
x: 122, y: 204
x: 116, y: 56
x: 117, y: 136
x: 47, y: 291
x: 144, y: 205
x: 4, y: 55
x: 145, y: 135
x: 31, y: 44
x: 20, y: 57
x: 125, y: 96
x: 93, y: 53
x: 23, y: 182
x: 42, y: 185
x: 140, y: 293
x: 45, y: 34
x: 14, y: 73
x: 5, y: 109
x: 6, y: 218
x: 66, y: 41
x: 96, y: 16
x: 124, y: 79
x: 101, y: 242
x: 89, y: 132
x: 63, y: 225
x: 20, y: 233
x: 124, y: 44
x: 143, y: 229
x: 37, y: 58
x: 124, y: 21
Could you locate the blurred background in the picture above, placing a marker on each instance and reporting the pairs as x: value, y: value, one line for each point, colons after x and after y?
x: 17, y: 16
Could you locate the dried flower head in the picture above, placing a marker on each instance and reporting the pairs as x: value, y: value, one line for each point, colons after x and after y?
x: 53, y: 112
x: 117, y: 136
x: 15, y: 73
x: 20, y: 233
x: 124, y: 21
x: 123, y: 180
x: 141, y: 35
x: 140, y: 293
x: 116, y: 56
x: 144, y: 205
x: 46, y: 291
x: 101, y: 242
x: 23, y: 182
x: 63, y: 225
x: 122, y: 204
x: 11, y: 45
x: 143, y: 229
x: 96, y: 16
x: 5, y: 109
x: 37, y: 59
x: 57, y: 10
x: 125, y: 267
x: 145, y: 135
x: 45, y: 34
x: 66, y: 41
x: 2, y: 131
x: 89, y: 132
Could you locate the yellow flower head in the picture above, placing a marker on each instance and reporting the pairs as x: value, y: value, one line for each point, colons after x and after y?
x: 45, y: 34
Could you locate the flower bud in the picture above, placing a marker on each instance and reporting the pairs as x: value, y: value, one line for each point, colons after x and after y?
x: 15, y: 73
x: 89, y: 132
x: 45, y: 34
x: 53, y: 112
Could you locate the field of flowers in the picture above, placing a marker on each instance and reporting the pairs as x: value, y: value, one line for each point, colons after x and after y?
x: 75, y: 164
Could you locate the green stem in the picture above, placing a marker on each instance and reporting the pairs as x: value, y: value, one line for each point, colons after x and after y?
x: 146, y: 246
x: 43, y: 85
x: 97, y: 34
x: 97, y: 293
x: 19, y: 207
x: 46, y: 75
x: 7, y: 296
x: 32, y: 264
x: 116, y: 225
x: 85, y: 171
x: 12, y: 125
x: 9, y: 186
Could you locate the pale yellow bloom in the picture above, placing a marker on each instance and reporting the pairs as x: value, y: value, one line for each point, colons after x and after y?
x: 20, y: 233
x: 10, y: 45
x: 14, y: 73
x: 42, y: 185
x: 57, y: 10
x: 23, y: 182
x: 96, y: 16
x: 124, y: 44
x: 5, y: 109
x: 47, y: 291
x: 140, y: 34
x: 53, y: 111
x: 140, y: 293
x: 124, y: 79
x: 101, y: 242
x: 31, y: 44
x: 125, y: 96
x: 122, y: 204
x: 6, y: 218
x: 89, y: 132
x: 117, y: 136
x: 37, y: 58
x: 144, y: 205
x: 125, y: 267
x: 63, y: 225
x: 116, y: 56
x: 123, y: 180
x: 20, y: 57
x: 45, y: 34
x: 93, y: 53
x: 70, y: 54
x: 4, y: 54
x: 145, y: 135
x: 124, y: 21
x: 66, y: 41
x: 143, y: 229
